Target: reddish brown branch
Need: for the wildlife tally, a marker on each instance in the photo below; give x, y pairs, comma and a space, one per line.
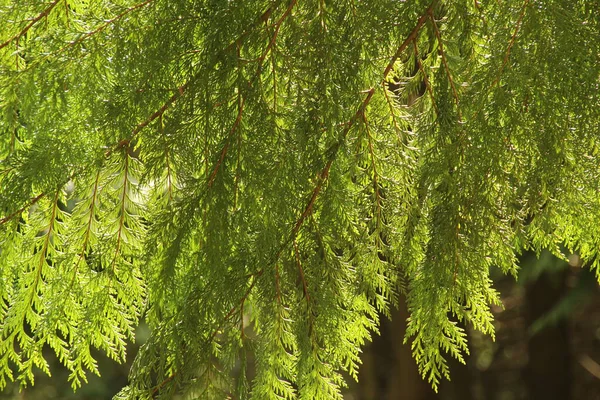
41, 15
264, 17
163, 383
511, 43
321, 178
323, 175
20, 210
506, 55
411, 36
301, 272
180, 91
276, 32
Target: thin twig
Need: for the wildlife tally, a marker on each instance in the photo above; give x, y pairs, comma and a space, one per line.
323, 175
167, 162
180, 91
88, 228
391, 107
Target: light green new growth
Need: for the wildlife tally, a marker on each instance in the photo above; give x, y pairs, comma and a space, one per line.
297, 163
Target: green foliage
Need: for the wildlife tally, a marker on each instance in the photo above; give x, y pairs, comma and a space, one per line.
199, 163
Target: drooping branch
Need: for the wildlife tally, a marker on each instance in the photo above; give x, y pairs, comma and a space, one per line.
511, 43
445, 62
425, 78
88, 228
378, 199
167, 163
301, 273
412, 37
237, 122
226, 318
43, 252
122, 210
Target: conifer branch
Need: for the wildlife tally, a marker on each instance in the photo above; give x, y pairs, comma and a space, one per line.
37, 198
322, 178
237, 122
122, 210
511, 43
88, 34
182, 89
295, 65
20, 210
277, 285
276, 32
411, 36
264, 17
506, 58
324, 174
236, 178
445, 62
43, 251
391, 107
159, 113
425, 78
88, 228
41, 15
375, 174
226, 318
301, 272
167, 162
105, 25
12, 326
66, 3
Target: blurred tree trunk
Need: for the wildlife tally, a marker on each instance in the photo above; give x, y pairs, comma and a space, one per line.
548, 373
389, 372
460, 385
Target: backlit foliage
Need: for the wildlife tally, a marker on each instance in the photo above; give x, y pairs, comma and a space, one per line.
260, 179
